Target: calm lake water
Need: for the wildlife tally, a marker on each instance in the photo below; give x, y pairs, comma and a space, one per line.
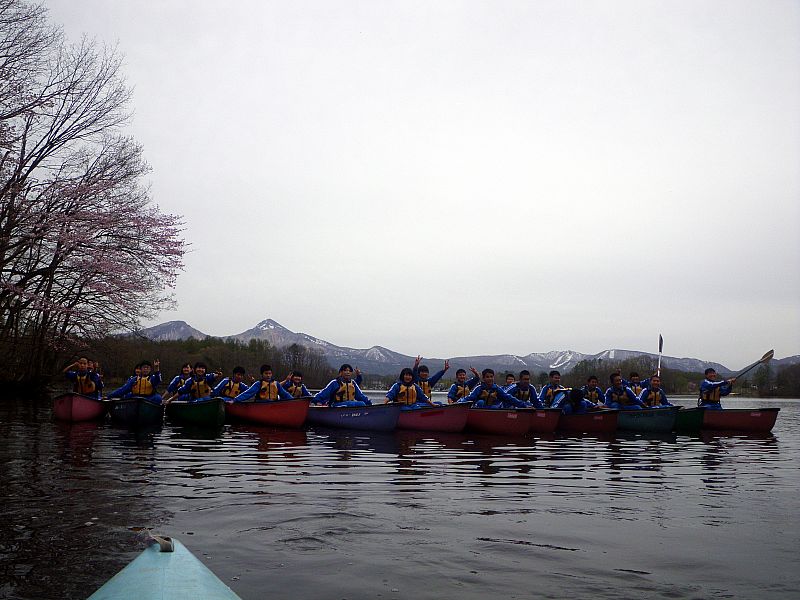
332, 514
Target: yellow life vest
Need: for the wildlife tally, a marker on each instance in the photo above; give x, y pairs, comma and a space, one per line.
268, 391
232, 389
524, 395
711, 396
551, 391
407, 394
462, 391
200, 389
636, 388
426, 387
295, 390
346, 392
488, 396
620, 397
595, 395
653, 398
142, 387
84, 385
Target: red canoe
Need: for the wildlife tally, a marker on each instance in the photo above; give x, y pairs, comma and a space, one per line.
451, 418
601, 421
741, 419
545, 420
500, 421
284, 413
75, 407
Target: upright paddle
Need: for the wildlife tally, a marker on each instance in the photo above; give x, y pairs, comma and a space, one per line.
763, 359
660, 348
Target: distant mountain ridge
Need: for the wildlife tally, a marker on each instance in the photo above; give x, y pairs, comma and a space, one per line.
382, 361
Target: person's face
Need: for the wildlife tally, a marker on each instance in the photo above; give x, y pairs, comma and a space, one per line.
346, 374
145, 370
488, 379
83, 364
266, 375
297, 380
712, 376
238, 377
423, 375
408, 378
89, 364
655, 383
593, 383
617, 381
137, 371
555, 379
509, 379
200, 371
635, 379
461, 378
525, 381
186, 369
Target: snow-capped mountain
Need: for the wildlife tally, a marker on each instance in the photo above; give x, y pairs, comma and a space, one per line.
382, 361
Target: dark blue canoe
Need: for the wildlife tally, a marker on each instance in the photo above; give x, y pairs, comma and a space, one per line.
136, 412
380, 417
655, 420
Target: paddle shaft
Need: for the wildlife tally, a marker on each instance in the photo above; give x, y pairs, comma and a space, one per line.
764, 359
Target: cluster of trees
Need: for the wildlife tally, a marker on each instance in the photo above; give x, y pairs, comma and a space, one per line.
118, 355
83, 249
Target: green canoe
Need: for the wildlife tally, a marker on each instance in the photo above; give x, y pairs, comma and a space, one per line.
689, 420
165, 570
653, 420
208, 413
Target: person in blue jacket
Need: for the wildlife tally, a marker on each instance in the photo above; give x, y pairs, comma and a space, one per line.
199, 386
652, 396
230, 387
267, 388
487, 394
462, 387
573, 402
510, 380
592, 391
635, 383
523, 390
179, 380
294, 385
342, 391
408, 393
549, 391
143, 385
711, 390
620, 396
84, 381
423, 378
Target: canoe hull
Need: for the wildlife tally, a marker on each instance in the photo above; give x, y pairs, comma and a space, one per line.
76, 407
155, 575
499, 421
205, 413
451, 418
657, 420
381, 417
601, 421
689, 420
281, 413
760, 420
136, 412
545, 420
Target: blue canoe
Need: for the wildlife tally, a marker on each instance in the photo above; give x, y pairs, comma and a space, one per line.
158, 574
136, 411
381, 417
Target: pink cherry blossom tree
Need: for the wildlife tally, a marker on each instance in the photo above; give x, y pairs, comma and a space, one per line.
84, 251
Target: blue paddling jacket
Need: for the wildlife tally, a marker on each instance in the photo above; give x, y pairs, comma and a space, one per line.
650, 397
339, 390
527, 394
138, 385
548, 393
427, 384
177, 382
711, 391
458, 391
86, 383
493, 396
228, 388
594, 395
407, 394
264, 390
621, 397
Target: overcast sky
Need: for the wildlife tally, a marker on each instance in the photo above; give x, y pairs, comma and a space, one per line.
456, 178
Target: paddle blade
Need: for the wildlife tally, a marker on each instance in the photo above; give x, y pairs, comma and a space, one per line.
660, 343
767, 356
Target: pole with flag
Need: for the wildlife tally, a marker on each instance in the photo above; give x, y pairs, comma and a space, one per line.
660, 348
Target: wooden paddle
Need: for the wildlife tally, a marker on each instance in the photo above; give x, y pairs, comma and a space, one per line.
764, 359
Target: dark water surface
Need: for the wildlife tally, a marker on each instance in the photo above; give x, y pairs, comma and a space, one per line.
333, 514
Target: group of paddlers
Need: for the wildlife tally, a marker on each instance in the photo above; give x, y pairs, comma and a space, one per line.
413, 389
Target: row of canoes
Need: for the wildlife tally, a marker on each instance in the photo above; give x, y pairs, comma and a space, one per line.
136, 412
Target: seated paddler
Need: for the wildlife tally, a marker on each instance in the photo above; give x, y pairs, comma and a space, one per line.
635, 382
408, 393
712, 389
524, 390
463, 386
266, 389
620, 396
230, 387
573, 402
487, 394
423, 377
549, 390
342, 391
84, 380
142, 385
179, 380
653, 395
199, 386
593, 392
295, 386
